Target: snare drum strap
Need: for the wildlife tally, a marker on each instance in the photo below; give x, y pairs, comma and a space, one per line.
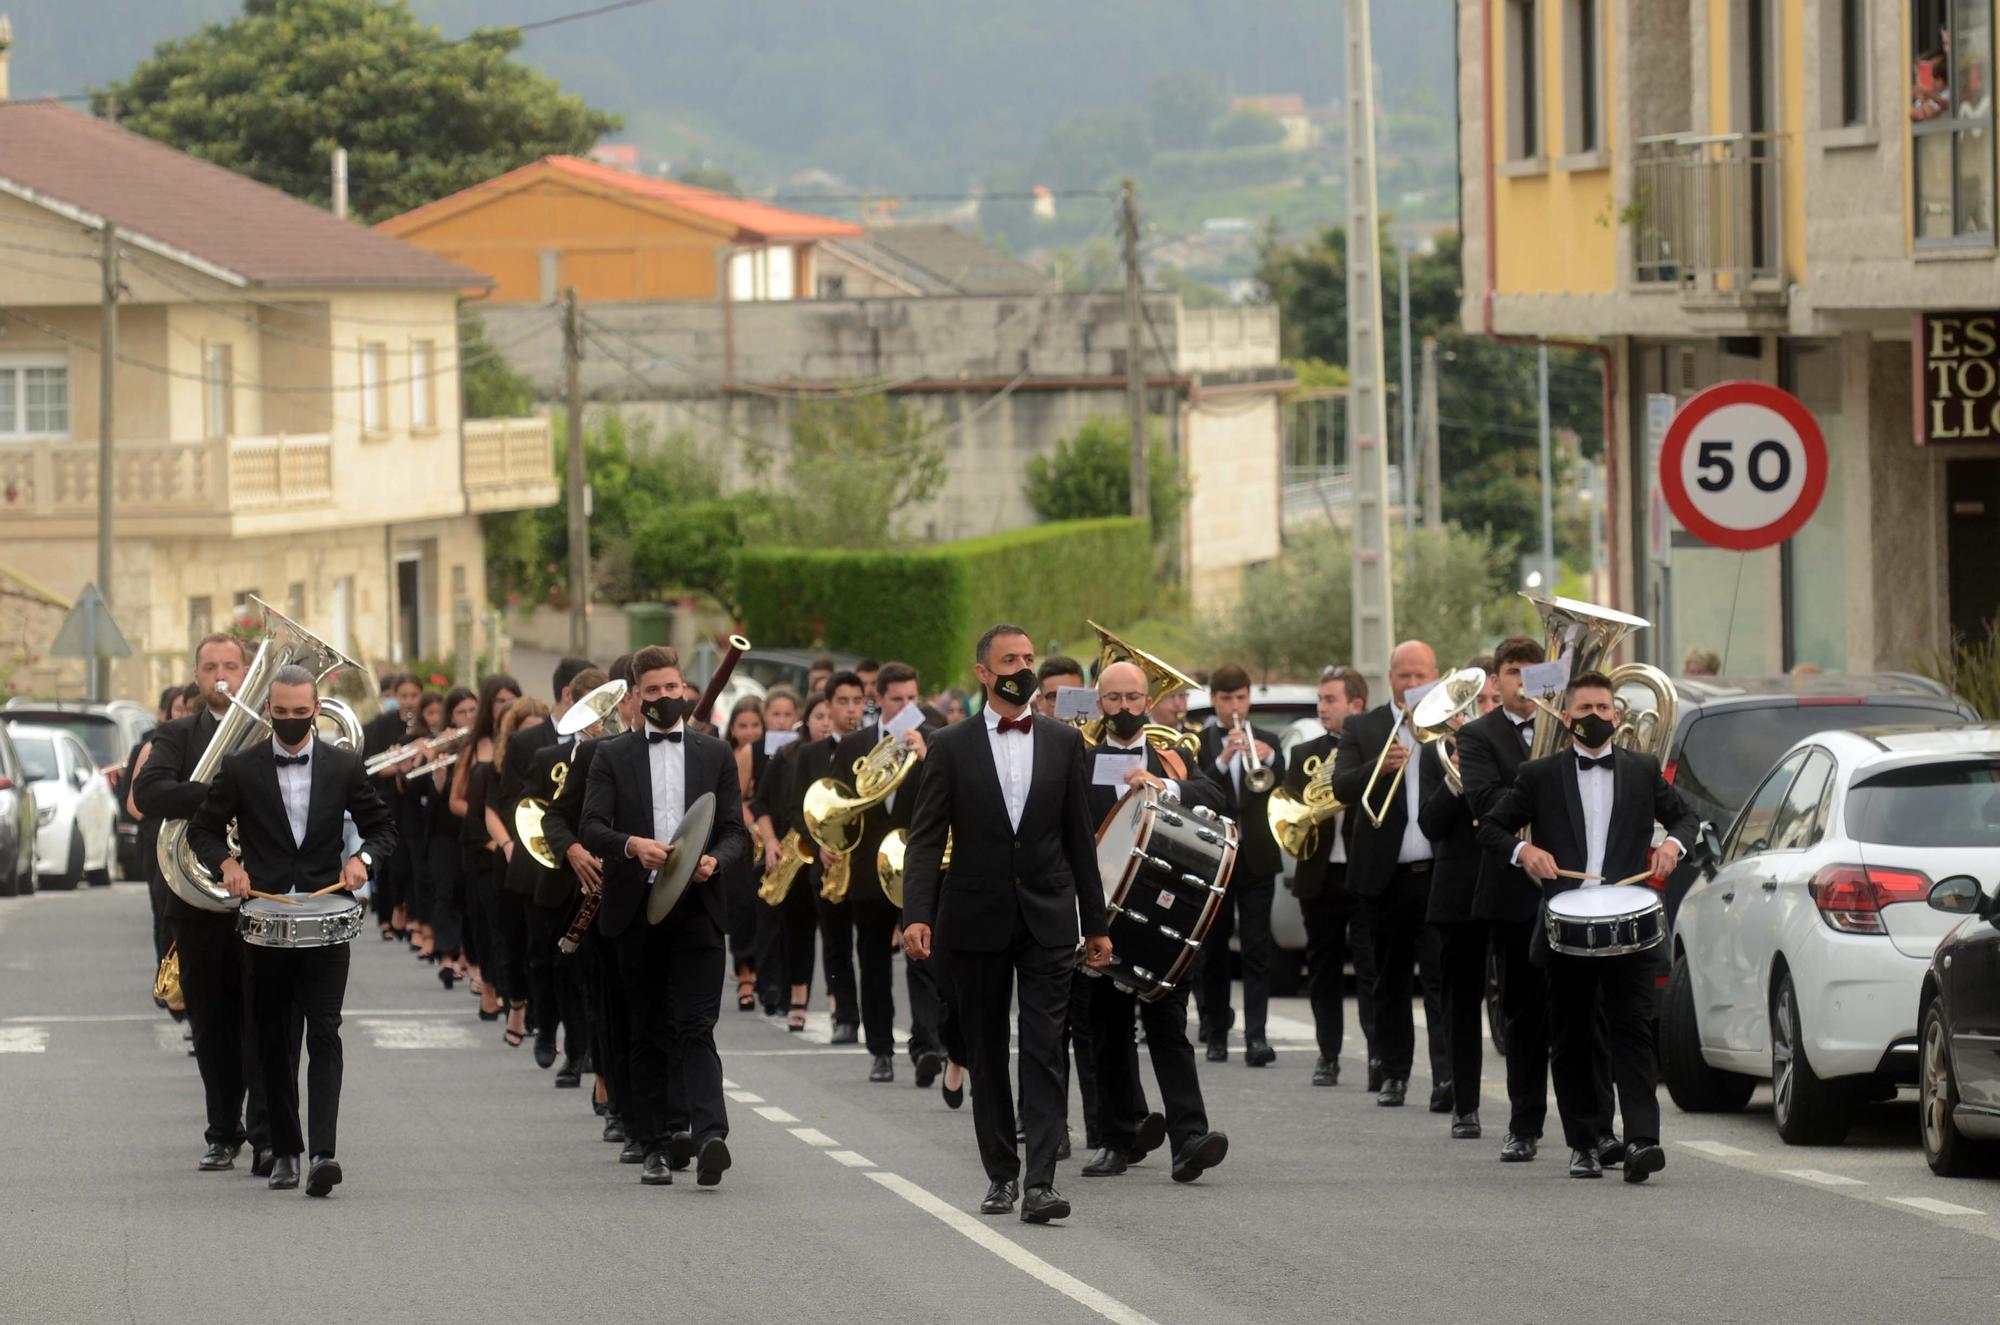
1170, 760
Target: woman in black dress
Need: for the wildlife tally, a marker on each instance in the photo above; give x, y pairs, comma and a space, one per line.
472, 779
746, 739
444, 869
517, 887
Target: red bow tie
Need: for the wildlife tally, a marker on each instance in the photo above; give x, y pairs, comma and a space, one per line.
1020, 724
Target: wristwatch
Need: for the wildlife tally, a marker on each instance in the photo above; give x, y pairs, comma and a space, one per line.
367, 861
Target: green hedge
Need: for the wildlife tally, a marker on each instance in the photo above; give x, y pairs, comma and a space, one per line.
927, 606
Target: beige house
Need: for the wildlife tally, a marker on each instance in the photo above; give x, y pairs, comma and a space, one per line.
285, 414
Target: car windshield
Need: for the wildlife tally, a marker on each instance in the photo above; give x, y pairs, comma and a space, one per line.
1726, 752
38, 757
100, 735
1932, 805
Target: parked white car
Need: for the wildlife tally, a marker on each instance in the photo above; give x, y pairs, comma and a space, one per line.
1799, 954
76, 812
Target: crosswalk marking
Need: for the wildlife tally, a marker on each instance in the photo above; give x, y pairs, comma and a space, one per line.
24, 1039
414, 1033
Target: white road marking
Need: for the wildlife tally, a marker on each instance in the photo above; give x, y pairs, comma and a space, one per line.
415, 1034
1717, 1150
771, 1113
1823, 1178
744, 1096
24, 1039
1012, 1252
850, 1159
727, 1084
1288, 1028
1935, 1207
79, 1019
167, 1035
812, 1136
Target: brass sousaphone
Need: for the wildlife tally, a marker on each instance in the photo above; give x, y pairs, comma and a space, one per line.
1587, 635
1162, 679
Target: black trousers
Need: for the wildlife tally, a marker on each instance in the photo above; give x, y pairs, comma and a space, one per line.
1245, 913
673, 995
1080, 1048
836, 932
511, 915
1336, 924
926, 1009
1112, 1011
874, 923
1395, 929
161, 898
441, 883
1602, 1008
215, 967
983, 989
560, 983
611, 1027
1524, 1019
482, 890
798, 933
290, 985
1462, 980
951, 1030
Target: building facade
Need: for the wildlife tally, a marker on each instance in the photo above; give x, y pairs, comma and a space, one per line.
1797, 192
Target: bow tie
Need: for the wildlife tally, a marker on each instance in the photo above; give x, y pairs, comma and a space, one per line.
1585, 762
1020, 724
656, 737
292, 761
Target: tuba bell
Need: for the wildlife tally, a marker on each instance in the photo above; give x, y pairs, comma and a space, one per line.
1162, 679
1587, 635
833, 809
889, 862
1296, 820
285, 643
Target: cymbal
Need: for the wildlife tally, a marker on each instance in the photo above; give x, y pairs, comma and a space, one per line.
671, 880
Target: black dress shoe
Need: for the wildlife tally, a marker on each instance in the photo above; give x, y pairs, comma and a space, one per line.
1257, 1051
219, 1157
954, 1096
1393, 1091
284, 1173
1374, 1075
711, 1163
569, 1076
1465, 1127
680, 1151
323, 1176
1152, 1134
929, 1063
634, 1152
1326, 1072
1218, 1049
1063, 1146
1106, 1163
1583, 1164
1518, 1149
545, 1055
883, 1070
1441, 1097
1000, 1199
1610, 1151
1199, 1155
1642, 1160
845, 1032
1041, 1204
614, 1128
656, 1173
260, 1162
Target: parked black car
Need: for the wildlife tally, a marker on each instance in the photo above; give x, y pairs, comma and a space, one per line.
1958, 1071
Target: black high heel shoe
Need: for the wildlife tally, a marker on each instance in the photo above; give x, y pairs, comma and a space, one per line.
796, 1023
446, 975
953, 1098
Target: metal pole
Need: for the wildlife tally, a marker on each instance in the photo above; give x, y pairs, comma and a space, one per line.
1367, 418
1135, 354
1427, 433
578, 481
340, 182
107, 396
1403, 400
1548, 484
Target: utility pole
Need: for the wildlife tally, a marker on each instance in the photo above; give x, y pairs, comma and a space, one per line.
1135, 354
578, 481
340, 182
1410, 466
107, 399
1548, 483
1367, 420
1427, 435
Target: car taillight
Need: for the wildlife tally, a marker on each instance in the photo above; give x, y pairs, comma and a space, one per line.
1673, 767
1850, 898
6, 784
1830, 701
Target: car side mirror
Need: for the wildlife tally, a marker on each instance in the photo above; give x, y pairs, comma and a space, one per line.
1959, 895
1707, 846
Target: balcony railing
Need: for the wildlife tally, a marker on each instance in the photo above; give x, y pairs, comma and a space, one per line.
1708, 216
152, 479
508, 464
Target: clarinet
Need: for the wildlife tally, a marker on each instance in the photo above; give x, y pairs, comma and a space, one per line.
586, 913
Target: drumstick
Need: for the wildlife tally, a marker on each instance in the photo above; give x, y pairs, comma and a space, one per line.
274, 897
330, 888
1578, 874
1640, 877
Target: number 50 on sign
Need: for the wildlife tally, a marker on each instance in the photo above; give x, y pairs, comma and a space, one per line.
1743, 465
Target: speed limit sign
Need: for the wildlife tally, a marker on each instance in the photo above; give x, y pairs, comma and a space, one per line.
1743, 465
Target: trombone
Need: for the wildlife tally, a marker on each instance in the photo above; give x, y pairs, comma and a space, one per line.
1431, 719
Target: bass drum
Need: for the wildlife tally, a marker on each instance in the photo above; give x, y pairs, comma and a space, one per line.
1167, 868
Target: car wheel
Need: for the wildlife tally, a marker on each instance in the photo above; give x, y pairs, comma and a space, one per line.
72, 873
1947, 1150
1808, 1110
1691, 1082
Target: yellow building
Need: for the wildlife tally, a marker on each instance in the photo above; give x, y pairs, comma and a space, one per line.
286, 408
1770, 190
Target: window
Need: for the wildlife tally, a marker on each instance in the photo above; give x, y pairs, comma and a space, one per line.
1951, 119
1753, 830
1523, 81
218, 374
34, 396
201, 619
1799, 821
1941, 804
374, 386
423, 386
760, 274
1853, 62
1583, 77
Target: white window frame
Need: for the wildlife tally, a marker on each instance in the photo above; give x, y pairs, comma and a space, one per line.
763, 275
423, 386
15, 428
374, 386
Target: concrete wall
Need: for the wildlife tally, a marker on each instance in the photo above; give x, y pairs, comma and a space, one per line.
1232, 460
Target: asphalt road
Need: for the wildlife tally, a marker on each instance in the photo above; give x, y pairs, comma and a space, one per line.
475, 1191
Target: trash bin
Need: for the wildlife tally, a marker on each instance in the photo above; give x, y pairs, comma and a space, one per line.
648, 623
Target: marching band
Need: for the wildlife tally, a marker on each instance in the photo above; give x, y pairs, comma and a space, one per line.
1070, 854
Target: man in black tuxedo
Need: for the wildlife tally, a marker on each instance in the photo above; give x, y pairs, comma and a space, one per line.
214, 963
1010, 793
289, 798
401, 698
1246, 909
639, 788
1332, 914
1591, 810
849, 699
1389, 868
611, 1025
1122, 696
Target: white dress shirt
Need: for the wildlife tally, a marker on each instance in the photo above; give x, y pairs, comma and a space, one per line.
1415, 845
1014, 761
295, 786
668, 761
1137, 745
1593, 787
1524, 731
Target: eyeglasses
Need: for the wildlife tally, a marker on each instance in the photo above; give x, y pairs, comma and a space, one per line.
1130, 697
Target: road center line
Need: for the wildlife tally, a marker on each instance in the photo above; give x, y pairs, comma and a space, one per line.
1717, 1150
812, 1136
745, 1096
850, 1159
1823, 1178
1930, 1205
771, 1113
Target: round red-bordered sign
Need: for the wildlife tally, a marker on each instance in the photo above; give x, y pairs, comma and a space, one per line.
1743, 465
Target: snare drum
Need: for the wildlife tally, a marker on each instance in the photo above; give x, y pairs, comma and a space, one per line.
1167, 869
315, 922
1605, 922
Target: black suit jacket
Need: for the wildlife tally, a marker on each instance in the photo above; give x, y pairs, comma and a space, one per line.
555, 888
1045, 873
1447, 821
618, 806
162, 790
246, 790
1258, 853
864, 877
1490, 752
1372, 851
522, 747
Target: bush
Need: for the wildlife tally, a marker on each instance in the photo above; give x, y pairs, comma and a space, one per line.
1970, 669
1089, 476
927, 606
1247, 126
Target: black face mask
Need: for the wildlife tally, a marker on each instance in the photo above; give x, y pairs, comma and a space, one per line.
1127, 725
1593, 730
666, 713
1016, 687
291, 731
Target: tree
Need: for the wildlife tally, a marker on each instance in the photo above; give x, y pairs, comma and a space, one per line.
855, 464
272, 93
1089, 475
1092, 148
1181, 106
489, 386
710, 177
1247, 126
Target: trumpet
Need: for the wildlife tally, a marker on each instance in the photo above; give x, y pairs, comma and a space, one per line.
1296, 820
396, 754
1431, 719
1258, 777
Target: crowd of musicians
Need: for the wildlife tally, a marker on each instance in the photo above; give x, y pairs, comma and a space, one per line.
517, 846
